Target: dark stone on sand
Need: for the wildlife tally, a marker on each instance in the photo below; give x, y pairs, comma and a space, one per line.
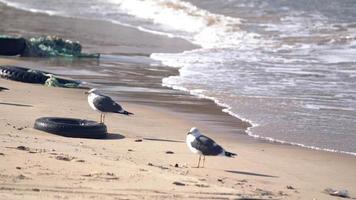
176, 165
138, 140
18, 168
289, 187
36, 190
2, 154
150, 164
23, 148
64, 158
169, 152
178, 183
202, 185
21, 177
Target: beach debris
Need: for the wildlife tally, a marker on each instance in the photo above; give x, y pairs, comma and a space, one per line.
338, 193
176, 165
18, 168
281, 193
36, 190
52, 46
129, 150
28, 75
22, 177
22, 148
2, 154
159, 166
178, 183
43, 46
64, 158
53, 81
80, 161
106, 176
11, 45
289, 187
138, 140
264, 192
169, 152
21, 128
202, 185
110, 174
221, 180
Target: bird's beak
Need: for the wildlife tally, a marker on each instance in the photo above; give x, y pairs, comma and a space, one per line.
189, 133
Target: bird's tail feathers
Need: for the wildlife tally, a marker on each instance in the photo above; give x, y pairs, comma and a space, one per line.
229, 154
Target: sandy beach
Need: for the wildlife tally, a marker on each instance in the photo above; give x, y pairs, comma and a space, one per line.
145, 155
122, 168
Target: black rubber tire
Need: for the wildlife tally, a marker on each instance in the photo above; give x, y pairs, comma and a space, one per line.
70, 127
21, 74
12, 46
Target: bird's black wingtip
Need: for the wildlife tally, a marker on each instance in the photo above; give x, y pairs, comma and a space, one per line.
127, 113
229, 154
3, 88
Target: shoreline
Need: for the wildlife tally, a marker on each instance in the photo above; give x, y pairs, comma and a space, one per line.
265, 169
266, 166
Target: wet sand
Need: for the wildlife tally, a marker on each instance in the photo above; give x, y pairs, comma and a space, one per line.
119, 168
51, 166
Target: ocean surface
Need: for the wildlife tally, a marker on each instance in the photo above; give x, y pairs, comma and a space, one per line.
287, 67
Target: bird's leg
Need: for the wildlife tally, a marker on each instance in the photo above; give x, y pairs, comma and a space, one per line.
103, 118
199, 161
203, 161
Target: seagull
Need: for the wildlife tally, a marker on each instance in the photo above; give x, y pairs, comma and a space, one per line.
3, 88
104, 104
204, 146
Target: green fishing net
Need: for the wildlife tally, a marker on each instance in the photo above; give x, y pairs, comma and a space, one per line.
52, 81
52, 46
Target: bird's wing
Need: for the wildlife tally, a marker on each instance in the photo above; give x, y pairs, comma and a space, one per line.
207, 146
106, 104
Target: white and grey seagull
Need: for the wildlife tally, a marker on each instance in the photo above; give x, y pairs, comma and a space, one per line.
204, 146
104, 104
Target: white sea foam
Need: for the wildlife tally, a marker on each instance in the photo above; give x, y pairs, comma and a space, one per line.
26, 8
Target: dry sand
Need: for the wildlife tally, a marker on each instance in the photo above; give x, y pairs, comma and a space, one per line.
121, 168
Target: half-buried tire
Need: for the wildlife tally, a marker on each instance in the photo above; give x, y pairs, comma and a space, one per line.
22, 74
70, 127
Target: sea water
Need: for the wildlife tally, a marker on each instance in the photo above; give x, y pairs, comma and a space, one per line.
288, 67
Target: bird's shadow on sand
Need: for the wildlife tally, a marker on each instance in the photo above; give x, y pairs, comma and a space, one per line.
15, 104
114, 136
250, 173
163, 140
